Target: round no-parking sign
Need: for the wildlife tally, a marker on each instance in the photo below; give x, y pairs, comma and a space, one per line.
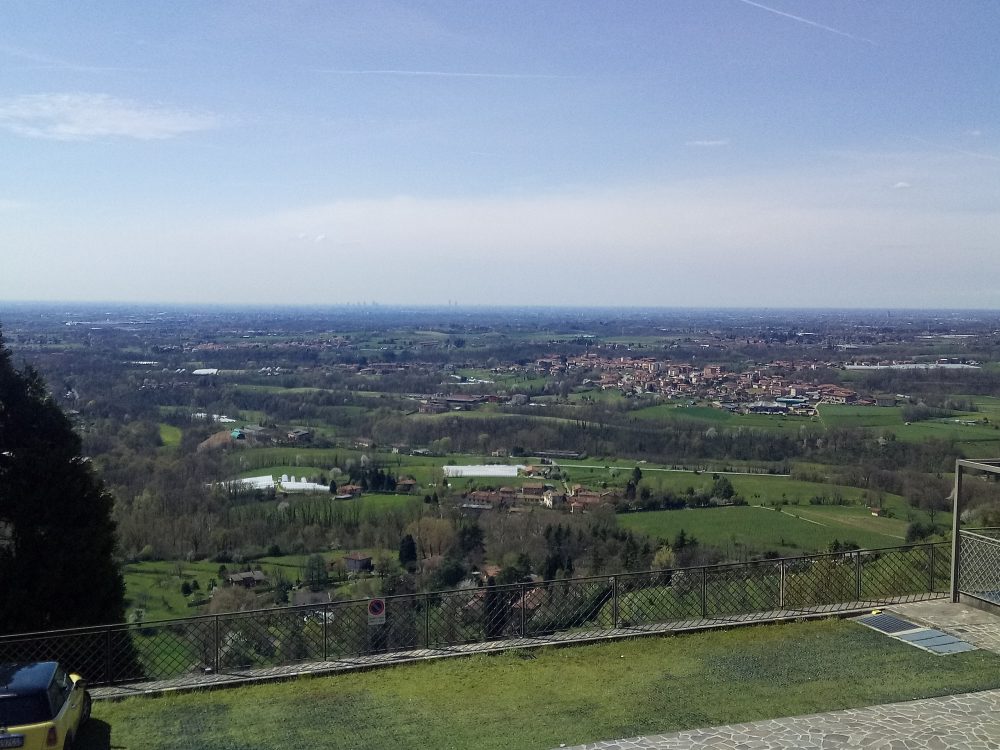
376, 612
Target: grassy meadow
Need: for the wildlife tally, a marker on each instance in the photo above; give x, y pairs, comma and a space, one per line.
561, 696
793, 530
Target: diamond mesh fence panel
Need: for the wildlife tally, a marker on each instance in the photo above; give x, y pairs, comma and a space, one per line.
654, 598
560, 608
737, 591
979, 566
84, 652
823, 581
564, 609
904, 574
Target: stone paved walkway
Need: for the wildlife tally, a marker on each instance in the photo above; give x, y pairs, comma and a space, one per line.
970, 721
974, 625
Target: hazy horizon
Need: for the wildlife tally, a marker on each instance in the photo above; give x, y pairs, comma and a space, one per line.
163, 306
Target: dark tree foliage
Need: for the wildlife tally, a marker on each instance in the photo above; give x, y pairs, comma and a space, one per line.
408, 553
470, 539
448, 575
496, 609
57, 539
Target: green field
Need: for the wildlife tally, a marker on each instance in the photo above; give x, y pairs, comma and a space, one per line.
169, 435
978, 439
755, 488
797, 529
560, 696
974, 439
662, 412
155, 587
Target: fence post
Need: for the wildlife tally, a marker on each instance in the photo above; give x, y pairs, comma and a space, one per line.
781, 584
704, 592
614, 600
956, 535
218, 655
930, 569
107, 646
857, 575
522, 608
427, 620
326, 634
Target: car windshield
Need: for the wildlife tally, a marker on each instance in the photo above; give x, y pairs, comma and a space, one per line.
16, 710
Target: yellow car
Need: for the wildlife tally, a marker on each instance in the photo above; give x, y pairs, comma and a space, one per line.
41, 706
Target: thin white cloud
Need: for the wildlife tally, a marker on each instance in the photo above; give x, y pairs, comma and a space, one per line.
437, 74
85, 117
964, 152
7, 204
708, 143
974, 133
901, 186
39, 61
806, 21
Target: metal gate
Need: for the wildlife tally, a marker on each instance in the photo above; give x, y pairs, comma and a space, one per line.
979, 567
975, 571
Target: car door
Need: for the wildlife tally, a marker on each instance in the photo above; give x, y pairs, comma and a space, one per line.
65, 707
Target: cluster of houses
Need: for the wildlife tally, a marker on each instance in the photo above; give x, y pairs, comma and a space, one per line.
354, 562
576, 500
758, 390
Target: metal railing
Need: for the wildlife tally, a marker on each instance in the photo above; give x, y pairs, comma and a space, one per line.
979, 565
567, 609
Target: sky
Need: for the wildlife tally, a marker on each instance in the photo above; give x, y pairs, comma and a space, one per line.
731, 153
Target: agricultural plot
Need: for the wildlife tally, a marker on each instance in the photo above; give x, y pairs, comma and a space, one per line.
755, 488
873, 417
752, 528
509, 380
854, 517
596, 395
666, 412
975, 439
964, 428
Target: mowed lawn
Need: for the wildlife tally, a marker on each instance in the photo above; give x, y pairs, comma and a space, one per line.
170, 435
553, 696
796, 529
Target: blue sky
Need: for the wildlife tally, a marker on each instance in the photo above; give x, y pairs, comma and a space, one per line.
688, 153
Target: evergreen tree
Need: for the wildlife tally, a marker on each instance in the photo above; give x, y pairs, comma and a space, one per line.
57, 539
316, 575
408, 553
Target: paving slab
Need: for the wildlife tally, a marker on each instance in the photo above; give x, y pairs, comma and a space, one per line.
968, 623
970, 721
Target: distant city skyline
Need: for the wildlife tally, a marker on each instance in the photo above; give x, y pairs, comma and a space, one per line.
729, 153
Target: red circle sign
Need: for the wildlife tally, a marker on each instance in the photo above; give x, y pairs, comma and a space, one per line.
376, 607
